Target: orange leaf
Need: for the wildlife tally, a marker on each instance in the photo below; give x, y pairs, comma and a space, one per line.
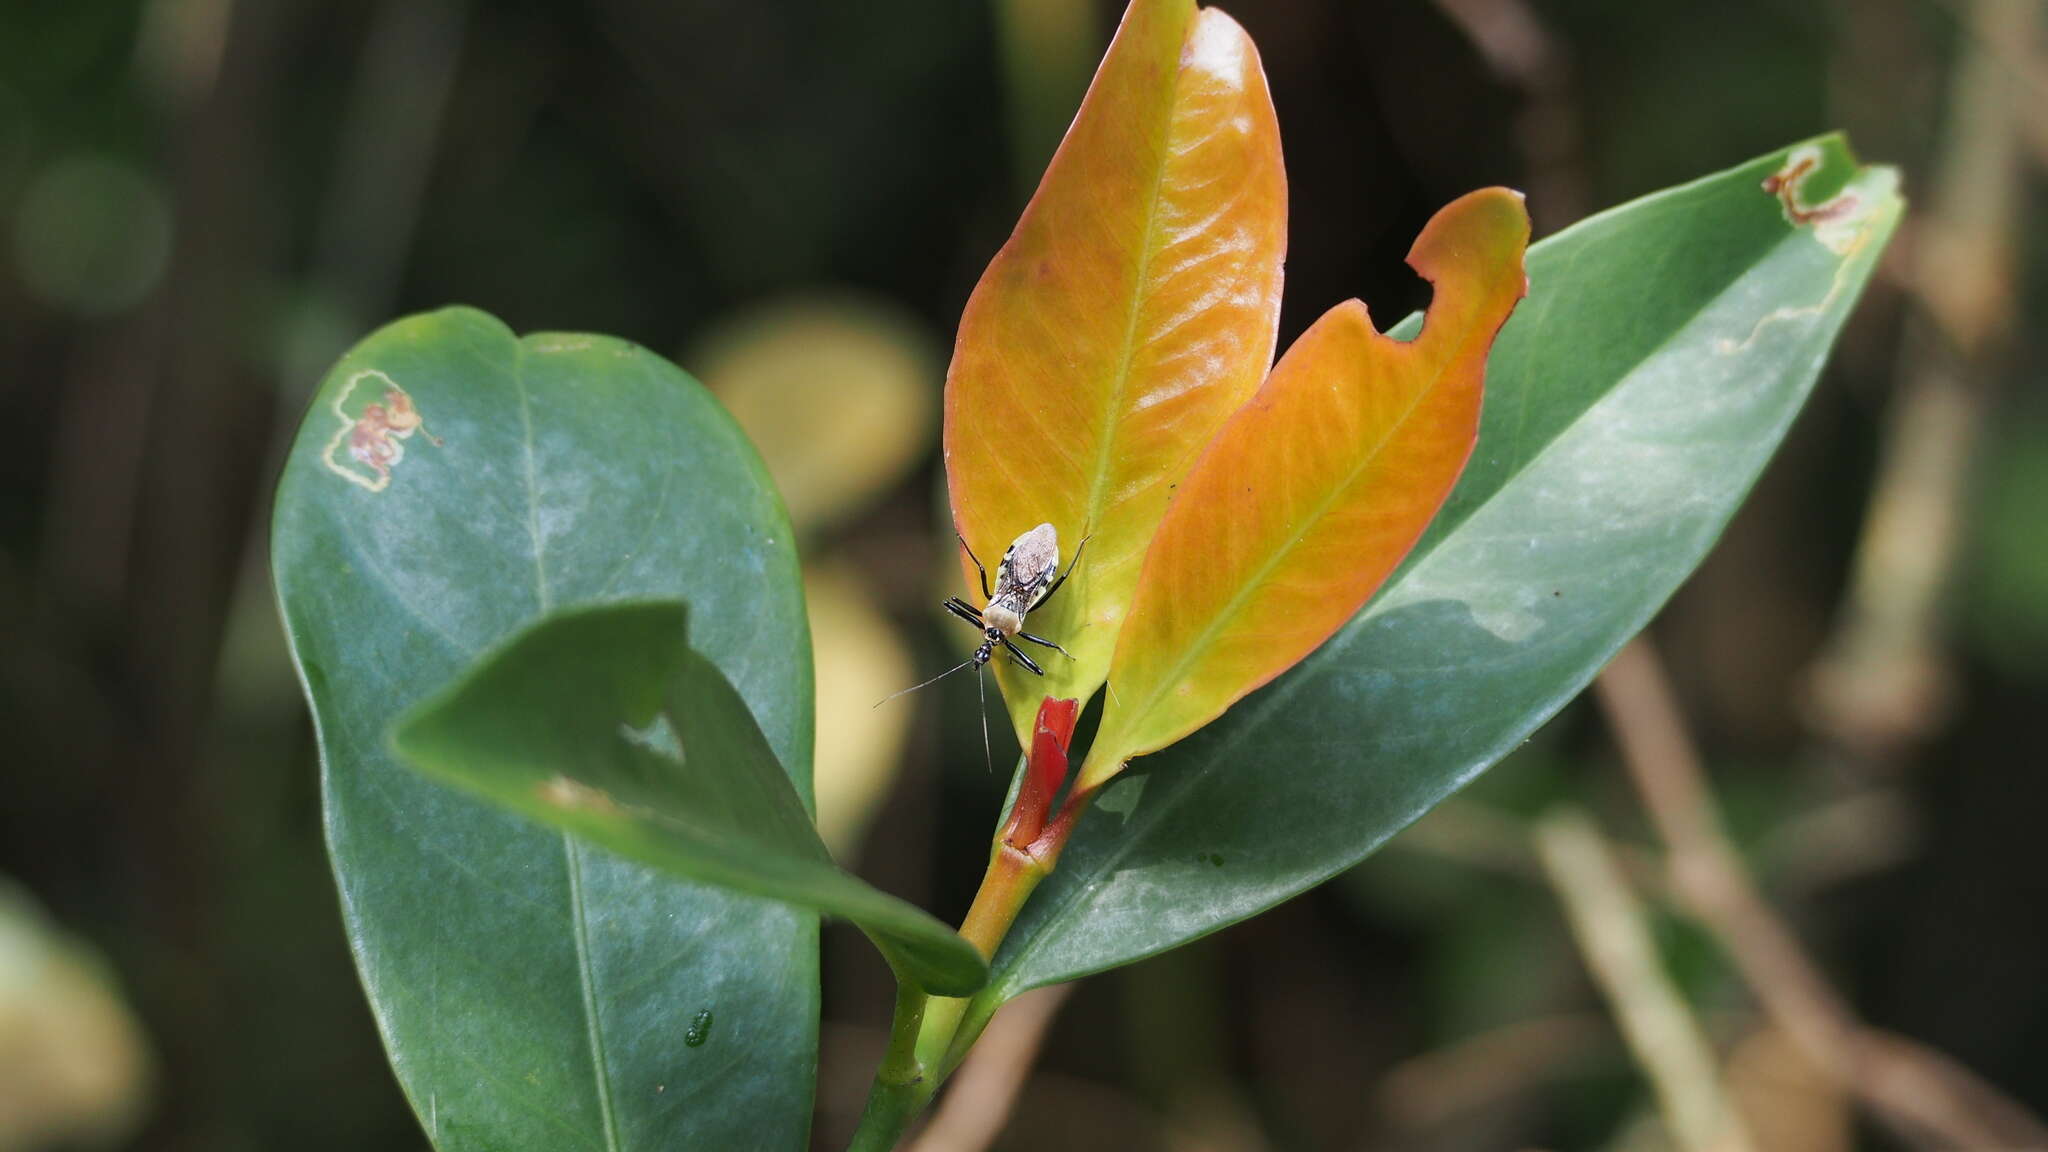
1131, 312
1313, 492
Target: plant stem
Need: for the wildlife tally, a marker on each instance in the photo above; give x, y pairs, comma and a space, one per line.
899, 1063
1014, 872
923, 1029
901, 1087
926, 1038
1012, 875
922, 1032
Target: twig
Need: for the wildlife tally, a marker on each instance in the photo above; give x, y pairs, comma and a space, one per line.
1857, 834
1882, 682
985, 1088
1482, 1071
1922, 1095
1786, 1101
2023, 63
1610, 927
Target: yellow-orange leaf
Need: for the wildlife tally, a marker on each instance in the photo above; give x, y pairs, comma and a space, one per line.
1313, 492
1130, 313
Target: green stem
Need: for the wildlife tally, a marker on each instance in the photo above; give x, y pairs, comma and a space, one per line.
970, 1017
901, 1088
929, 1037
899, 1063
1014, 871
940, 1025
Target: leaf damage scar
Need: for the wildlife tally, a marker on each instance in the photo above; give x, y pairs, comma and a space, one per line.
1841, 224
375, 437
1831, 218
559, 791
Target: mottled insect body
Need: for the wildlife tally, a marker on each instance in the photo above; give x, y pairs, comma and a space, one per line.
1024, 579
1027, 576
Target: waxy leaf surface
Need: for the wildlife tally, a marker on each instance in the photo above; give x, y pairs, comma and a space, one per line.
1631, 401
559, 726
533, 992
1130, 313
1313, 491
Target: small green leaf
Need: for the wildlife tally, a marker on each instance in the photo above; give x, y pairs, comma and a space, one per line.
560, 725
1663, 350
533, 993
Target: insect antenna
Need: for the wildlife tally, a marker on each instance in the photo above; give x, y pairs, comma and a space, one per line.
981, 691
926, 684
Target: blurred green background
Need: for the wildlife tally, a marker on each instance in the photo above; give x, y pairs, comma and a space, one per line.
202, 202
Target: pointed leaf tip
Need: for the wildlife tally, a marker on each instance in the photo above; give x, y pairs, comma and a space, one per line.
1135, 306
558, 725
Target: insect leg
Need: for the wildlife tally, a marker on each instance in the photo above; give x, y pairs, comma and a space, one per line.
985, 593
964, 611
1069, 572
1017, 654
1042, 642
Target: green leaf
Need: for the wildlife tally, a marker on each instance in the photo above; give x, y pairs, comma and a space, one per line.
1631, 401
532, 992
560, 726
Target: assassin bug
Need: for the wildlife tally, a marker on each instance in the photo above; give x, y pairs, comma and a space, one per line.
1026, 577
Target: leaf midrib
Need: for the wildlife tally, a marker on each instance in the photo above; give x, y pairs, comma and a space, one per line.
540, 574
1148, 251
573, 861
586, 975
1238, 599
1142, 822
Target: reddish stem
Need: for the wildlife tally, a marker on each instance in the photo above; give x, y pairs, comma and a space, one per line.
1045, 848
1043, 773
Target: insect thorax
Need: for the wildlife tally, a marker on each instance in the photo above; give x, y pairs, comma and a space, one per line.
1003, 616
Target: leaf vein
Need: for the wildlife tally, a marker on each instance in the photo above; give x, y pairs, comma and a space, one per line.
1148, 249
540, 572
600, 1066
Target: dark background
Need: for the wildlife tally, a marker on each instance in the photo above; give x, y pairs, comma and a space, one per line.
203, 201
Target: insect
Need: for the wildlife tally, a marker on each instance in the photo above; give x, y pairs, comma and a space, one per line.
1026, 577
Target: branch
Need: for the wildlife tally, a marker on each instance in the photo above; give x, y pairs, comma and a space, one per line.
985, 1089
1924, 1096
1882, 682
1485, 1071
1609, 925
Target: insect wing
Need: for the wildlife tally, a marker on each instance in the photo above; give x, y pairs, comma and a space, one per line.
1028, 567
